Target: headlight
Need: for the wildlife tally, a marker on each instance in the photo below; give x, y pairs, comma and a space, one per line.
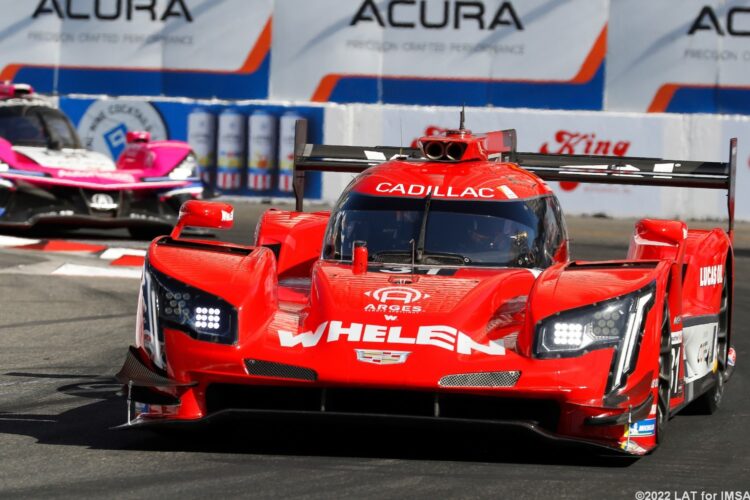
201, 315
615, 323
186, 169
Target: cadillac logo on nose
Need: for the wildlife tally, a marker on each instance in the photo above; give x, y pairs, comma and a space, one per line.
101, 201
381, 357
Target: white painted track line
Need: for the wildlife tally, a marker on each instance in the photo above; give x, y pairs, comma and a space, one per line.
12, 241
97, 272
116, 253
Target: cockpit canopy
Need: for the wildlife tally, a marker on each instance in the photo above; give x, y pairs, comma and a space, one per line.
40, 126
515, 233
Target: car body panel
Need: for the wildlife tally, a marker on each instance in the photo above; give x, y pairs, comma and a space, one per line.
318, 334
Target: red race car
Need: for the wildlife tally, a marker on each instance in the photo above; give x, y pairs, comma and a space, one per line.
440, 289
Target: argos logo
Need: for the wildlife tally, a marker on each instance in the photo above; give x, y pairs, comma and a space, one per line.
404, 298
397, 294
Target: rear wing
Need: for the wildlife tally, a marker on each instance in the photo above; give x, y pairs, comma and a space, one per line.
324, 158
637, 171
501, 146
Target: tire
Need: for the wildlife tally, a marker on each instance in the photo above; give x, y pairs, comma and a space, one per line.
147, 233
665, 375
709, 402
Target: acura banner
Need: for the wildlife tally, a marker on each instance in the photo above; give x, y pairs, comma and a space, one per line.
636, 55
688, 56
196, 48
535, 53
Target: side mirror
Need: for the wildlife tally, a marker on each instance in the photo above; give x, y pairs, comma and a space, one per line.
197, 213
136, 136
359, 257
671, 232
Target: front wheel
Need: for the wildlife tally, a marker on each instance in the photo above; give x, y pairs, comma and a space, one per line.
665, 375
709, 402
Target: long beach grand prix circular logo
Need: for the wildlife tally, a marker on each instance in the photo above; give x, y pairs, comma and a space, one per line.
105, 123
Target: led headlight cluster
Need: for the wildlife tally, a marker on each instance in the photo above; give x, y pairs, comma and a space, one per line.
615, 323
200, 314
208, 317
186, 169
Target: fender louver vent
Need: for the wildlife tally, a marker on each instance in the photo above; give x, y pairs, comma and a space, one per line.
481, 379
279, 370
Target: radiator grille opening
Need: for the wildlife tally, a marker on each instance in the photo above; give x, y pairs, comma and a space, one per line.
382, 402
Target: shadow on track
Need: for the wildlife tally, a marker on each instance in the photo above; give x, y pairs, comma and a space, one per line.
91, 425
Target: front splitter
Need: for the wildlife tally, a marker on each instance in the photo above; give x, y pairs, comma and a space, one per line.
224, 417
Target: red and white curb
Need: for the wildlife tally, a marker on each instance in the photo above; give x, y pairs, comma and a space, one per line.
117, 262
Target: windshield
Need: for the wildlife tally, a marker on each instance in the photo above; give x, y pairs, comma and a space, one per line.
524, 233
37, 126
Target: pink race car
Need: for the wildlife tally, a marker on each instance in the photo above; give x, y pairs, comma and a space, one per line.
46, 176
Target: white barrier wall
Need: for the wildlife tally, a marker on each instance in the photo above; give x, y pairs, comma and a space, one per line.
695, 137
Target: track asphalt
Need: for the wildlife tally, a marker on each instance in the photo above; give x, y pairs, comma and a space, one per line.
63, 338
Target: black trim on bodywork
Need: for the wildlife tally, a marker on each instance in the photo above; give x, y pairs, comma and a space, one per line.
30, 204
688, 321
626, 264
632, 415
134, 372
167, 283
637, 348
263, 368
275, 248
151, 396
599, 304
197, 245
222, 417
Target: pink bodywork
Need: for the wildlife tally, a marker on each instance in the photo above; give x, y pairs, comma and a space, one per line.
140, 159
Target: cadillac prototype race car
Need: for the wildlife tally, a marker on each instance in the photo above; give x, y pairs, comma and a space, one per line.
46, 176
440, 289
